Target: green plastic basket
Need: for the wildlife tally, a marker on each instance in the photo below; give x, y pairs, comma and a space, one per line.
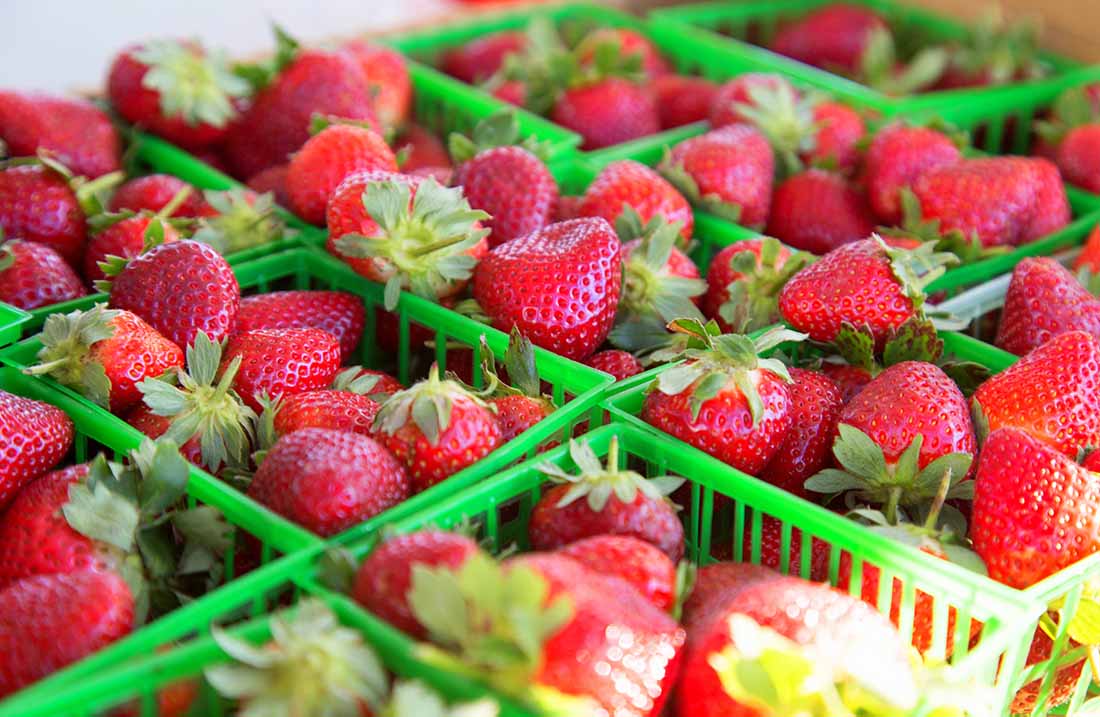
625, 407
11, 323
500, 508
712, 27
576, 388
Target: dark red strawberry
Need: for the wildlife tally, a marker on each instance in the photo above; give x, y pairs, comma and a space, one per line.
682, 99
607, 112
38, 204
336, 312
74, 131
897, 156
387, 76
1044, 300
834, 37
736, 95
421, 149
849, 379
282, 362
1076, 157
34, 275
649, 194
327, 481
620, 364
818, 211
153, 192
638, 562
836, 142
744, 281
625, 43
479, 59
272, 179
36, 436
560, 285
513, 186
125, 239
815, 406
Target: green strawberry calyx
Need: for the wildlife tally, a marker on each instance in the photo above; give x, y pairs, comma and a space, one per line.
1072, 108
427, 404
204, 404
415, 699
196, 86
522, 368
879, 65
422, 242
500, 129
67, 341
312, 665
596, 483
753, 302
786, 119
966, 249
243, 221
713, 360
357, 380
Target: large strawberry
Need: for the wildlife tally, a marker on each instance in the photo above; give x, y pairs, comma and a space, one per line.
38, 203
43, 435
818, 211
744, 281
336, 312
835, 36
627, 182
599, 501
387, 74
1044, 300
724, 399
897, 155
559, 285
281, 362
1048, 393
815, 407
74, 131
34, 275
104, 353
327, 481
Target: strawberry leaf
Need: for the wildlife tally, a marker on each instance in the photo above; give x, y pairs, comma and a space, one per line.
95, 511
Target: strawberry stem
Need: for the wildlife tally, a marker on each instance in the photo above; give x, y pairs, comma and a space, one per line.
173, 204
613, 456
938, 501
892, 505
436, 246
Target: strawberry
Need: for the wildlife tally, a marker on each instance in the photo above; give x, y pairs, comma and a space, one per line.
239, 220
388, 78
1076, 157
327, 480
736, 95
383, 580
1061, 689
897, 156
103, 354
34, 275
124, 237
518, 399
1044, 300
436, 428
615, 502
744, 281
421, 149
176, 89
638, 562
281, 362
715, 586
723, 399
607, 112
180, 288
50, 621
326, 159
867, 284
41, 435
839, 132
153, 192
835, 37
153, 426
326, 408
818, 211
634, 184
272, 179
370, 381
477, 60
620, 364
1089, 258
815, 407
849, 379
624, 42
682, 99
38, 204
74, 131
1047, 393
728, 172
407, 232
559, 286
336, 312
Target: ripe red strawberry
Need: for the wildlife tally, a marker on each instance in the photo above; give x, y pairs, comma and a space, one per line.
282, 362
1089, 258
326, 160
385, 577
517, 396
513, 186
605, 501
74, 131
1048, 393
436, 428
626, 43
1061, 689
125, 238
744, 281
638, 562
1044, 300
868, 284
849, 379
421, 149
723, 399
818, 211
37, 204
370, 381
727, 171
336, 312
607, 112
682, 99
41, 434
897, 156
836, 142
514, 92
153, 192
34, 275
153, 426
477, 60
388, 77
327, 481
716, 585
834, 37
815, 406
620, 364
559, 286
334, 410
649, 194
180, 288
103, 354
732, 97
176, 89
431, 248
50, 621
272, 179
1076, 157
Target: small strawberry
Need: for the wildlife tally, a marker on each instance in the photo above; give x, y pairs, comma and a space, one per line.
634, 184
436, 428
518, 400
818, 211
607, 112
836, 37
623, 42
682, 99
1061, 689
273, 180
387, 76
839, 132
479, 59
1044, 300
121, 236
744, 281
514, 92
420, 149
737, 94
281, 362
239, 220
33, 275
77, 133
154, 192
43, 434
620, 364
103, 354
638, 562
327, 481
724, 399
728, 172
605, 501
336, 312
1076, 157
897, 156
815, 407
327, 159
38, 203
560, 285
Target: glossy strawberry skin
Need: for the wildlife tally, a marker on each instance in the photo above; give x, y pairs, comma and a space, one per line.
849, 379
652, 520
815, 406
721, 274
724, 110
1077, 157
638, 562
336, 312
135, 352
336, 410
620, 364
76, 132
50, 621
387, 75
559, 285
633, 183
724, 427
282, 362
326, 159
153, 192
384, 578
36, 204
734, 164
608, 112
512, 185
1043, 301
818, 211
125, 239
35, 437
833, 37
682, 99
515, 414
836, 144
897, 155
327, 481
38, 276
476, 61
